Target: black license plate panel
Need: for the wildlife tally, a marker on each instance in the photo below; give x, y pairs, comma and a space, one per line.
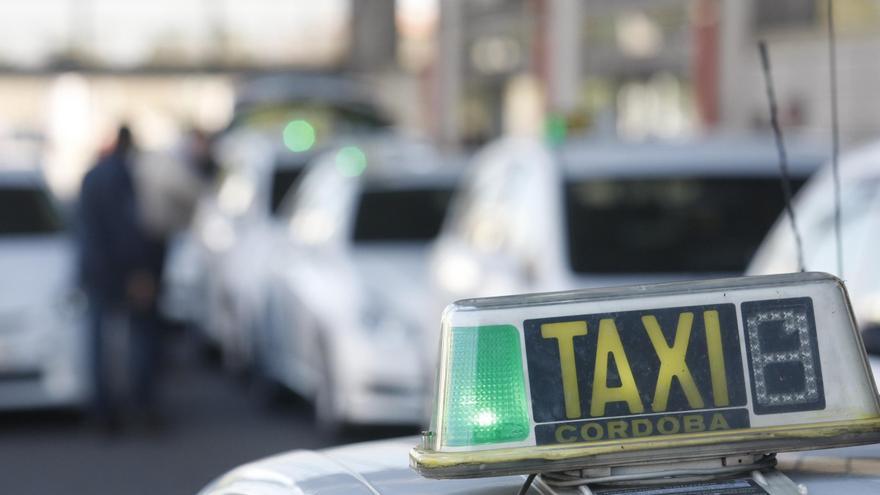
659, 364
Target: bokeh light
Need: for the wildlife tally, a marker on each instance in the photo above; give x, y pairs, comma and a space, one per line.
299, 136
556, 129
351, 161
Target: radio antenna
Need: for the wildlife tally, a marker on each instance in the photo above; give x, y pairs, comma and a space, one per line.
785, 177
835, 137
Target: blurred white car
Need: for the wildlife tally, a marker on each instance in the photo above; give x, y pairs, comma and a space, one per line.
43, 345
599, 213
860, 232
279, 123
596, 213
229, 236
348, 294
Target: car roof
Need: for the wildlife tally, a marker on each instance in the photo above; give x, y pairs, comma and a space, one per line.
20, 151
385, 149
317, 86
326, 88
860, 163
381, 467
21, 177
723, 155
396, 160
370, 468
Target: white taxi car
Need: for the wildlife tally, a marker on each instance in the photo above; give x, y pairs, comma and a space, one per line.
43, 345
860, 231
279, 123
347, 290
596, 213
232, 229
722, 387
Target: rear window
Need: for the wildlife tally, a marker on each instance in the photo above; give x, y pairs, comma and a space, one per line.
282, 181
669, 225
411, 215
27, 211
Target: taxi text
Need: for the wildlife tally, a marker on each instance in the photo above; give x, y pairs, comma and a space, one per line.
673, 365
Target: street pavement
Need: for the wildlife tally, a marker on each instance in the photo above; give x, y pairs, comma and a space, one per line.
213, 422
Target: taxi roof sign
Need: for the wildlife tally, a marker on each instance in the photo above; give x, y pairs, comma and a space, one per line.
666, 372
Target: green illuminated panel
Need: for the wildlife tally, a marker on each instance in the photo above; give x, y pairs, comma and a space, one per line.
486, 395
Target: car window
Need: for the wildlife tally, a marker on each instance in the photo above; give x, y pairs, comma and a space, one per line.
493, 196
27, 211
401, 215
666, 225
282, 181
318, 209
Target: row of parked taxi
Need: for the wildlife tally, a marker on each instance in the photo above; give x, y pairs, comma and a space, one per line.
326, 271
43, 344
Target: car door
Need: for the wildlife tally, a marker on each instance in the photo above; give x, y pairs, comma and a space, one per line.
305, 260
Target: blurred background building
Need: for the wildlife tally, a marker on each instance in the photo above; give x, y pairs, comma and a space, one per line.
653, 68
461, 72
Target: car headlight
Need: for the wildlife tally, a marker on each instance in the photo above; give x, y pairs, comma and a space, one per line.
458, 274
218, 234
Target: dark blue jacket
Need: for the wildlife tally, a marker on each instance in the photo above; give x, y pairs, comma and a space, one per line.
112, 241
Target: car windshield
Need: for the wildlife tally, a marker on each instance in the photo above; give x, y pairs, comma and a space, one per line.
27, 211
282, 180
687, 225
411, 215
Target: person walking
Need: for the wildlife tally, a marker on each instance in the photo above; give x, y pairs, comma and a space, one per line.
120, 263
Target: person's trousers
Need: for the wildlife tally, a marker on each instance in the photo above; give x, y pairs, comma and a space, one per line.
142, 359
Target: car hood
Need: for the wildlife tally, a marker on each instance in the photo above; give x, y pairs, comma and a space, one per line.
395, 274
